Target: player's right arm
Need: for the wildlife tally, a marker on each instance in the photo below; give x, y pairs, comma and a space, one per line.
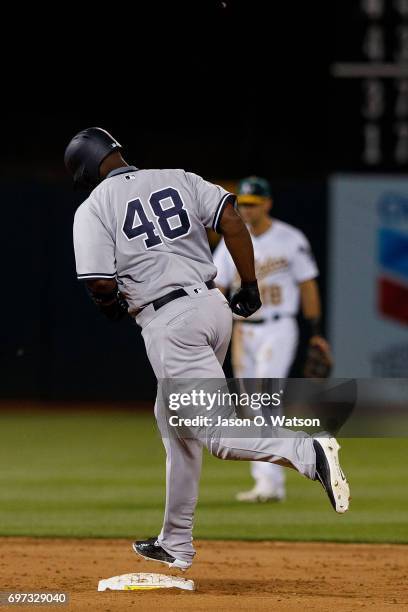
95, 261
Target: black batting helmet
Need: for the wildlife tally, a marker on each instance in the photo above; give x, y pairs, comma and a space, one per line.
86, 152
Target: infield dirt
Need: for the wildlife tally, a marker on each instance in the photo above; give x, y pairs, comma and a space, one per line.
229, 575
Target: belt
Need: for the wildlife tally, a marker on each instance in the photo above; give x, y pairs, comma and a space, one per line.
274, 317
174, 295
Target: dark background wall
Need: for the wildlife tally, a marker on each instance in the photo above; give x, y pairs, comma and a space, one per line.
224, 92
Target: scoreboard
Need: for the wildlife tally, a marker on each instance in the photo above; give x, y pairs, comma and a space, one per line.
368, 117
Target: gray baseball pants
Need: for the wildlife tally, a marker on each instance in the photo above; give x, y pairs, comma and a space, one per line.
189, 338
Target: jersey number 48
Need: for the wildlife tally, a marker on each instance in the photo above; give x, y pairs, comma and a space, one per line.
172, 221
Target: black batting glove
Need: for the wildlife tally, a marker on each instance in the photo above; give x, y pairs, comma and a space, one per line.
246, 300
113, 305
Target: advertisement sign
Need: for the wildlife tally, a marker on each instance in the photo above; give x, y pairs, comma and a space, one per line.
368, 275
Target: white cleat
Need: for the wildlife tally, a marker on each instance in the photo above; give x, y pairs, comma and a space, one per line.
261, 495
330, 474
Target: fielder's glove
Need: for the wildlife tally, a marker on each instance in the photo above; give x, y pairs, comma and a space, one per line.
319, 362
246, 300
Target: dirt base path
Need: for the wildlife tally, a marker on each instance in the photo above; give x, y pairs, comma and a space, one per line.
229, 576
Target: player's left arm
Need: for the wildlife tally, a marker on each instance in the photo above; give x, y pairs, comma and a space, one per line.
312, 312
216, 209
319, 360
225, 268
305, 271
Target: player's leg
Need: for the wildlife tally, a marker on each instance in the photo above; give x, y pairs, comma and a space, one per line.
183, 342
244, 346
269, 483
276, 343
316, 458
243, 350
293, 448
247, 341
183, 470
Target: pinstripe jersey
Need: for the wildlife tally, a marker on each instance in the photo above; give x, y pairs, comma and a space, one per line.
146, 228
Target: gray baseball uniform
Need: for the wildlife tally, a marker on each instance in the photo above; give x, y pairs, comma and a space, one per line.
146, 228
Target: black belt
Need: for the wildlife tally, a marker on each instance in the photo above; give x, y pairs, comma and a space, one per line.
274, 317
174, 295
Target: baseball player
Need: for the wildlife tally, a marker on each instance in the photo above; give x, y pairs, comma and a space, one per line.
141, 248
264, 344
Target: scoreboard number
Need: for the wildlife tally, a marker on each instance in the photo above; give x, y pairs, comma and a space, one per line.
371, 73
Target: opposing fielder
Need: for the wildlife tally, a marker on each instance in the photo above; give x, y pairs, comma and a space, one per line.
141, 247
264, 344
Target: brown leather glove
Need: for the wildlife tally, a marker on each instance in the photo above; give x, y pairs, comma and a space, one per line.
319, 360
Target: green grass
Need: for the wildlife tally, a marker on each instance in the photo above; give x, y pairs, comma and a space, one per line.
102, 475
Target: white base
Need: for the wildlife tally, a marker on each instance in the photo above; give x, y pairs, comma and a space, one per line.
144, 582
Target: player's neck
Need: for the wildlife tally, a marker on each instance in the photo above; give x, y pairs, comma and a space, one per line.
261, 227
112, 162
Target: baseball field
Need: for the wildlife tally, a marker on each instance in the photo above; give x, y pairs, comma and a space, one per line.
78, 485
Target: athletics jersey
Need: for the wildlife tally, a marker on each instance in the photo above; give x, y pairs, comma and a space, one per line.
283, 259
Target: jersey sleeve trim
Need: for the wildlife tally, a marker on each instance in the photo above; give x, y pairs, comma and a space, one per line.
95, 275
228, 197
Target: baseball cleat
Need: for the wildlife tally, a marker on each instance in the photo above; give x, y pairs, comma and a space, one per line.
259, 495
152, 551
330, 474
